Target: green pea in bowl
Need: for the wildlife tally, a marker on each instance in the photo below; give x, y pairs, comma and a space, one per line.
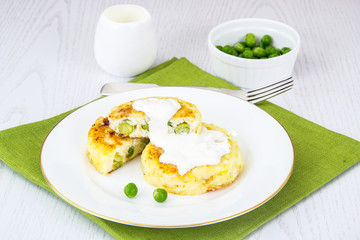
244, 69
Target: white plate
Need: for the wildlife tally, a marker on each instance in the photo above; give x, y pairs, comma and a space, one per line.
266, 148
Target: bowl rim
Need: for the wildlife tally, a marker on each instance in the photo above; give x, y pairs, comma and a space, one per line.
147, 16
230, 58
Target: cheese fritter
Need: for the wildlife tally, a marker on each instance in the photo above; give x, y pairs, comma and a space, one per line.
107, 150
127, 121
199, 179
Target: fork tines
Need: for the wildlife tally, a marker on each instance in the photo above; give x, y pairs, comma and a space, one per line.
263, 93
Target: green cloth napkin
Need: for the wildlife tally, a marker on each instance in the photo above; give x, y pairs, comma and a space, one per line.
320, 155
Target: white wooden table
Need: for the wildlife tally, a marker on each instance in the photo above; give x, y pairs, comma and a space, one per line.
47, 67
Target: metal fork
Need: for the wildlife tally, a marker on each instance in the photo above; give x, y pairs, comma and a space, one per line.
252, 95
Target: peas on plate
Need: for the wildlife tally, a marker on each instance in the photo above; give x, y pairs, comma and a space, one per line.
131, 190
254, 48
160, 195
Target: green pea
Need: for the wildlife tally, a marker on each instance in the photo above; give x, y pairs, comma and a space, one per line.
268, 49
259, 52
248, 54
250, 40
228, 49
145, 126
118, 161
160, 195
266, 40
274, 51
252, 49
130, 190
130, 151
234, 52
239, 47
285, 50
125, 128
273, 55
182, 128
146, 140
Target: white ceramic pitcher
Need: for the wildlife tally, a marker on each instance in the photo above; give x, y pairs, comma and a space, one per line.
125, 43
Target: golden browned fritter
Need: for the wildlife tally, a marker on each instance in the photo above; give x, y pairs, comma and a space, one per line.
127, 121
199, 179
107, 150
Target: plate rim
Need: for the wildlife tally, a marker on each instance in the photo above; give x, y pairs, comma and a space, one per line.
161, 225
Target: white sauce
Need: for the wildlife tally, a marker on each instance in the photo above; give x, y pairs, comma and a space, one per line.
186, 151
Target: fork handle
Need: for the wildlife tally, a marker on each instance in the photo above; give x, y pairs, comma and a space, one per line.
119, 87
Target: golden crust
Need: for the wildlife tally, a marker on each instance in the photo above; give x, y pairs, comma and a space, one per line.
199, 179
104, 138
125, 110
103, 144
188, 113
187, 110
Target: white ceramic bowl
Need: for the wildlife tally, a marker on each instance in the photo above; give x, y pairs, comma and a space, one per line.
252, 73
